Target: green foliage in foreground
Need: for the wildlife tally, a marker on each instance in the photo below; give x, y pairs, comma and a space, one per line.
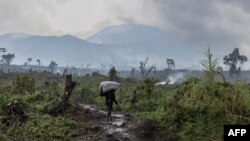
195, 110
199, 109
38, 126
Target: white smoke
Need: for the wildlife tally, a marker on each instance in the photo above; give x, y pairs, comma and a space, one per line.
175, 78
161, 83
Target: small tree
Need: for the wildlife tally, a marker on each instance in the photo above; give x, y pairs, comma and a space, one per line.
144, 70
210, 66
38, 62
52, 66
8, 58
113, 74
2, 50
29, 60
234, 60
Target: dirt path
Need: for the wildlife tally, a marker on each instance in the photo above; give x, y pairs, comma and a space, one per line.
121, 127
116, 129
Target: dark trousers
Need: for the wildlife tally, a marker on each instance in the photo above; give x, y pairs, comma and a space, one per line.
110, 98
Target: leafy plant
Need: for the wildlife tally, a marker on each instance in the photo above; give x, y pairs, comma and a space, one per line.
23, 84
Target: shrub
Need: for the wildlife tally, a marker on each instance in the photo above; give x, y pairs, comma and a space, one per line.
23, 84
199, 109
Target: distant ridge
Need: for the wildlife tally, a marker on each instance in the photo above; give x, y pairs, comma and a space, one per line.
128, 33
122, 45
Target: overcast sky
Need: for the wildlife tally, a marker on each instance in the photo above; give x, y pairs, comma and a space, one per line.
220, 24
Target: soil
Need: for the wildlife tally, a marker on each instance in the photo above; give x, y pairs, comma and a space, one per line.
120, 128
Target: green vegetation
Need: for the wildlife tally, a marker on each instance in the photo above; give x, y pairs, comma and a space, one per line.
113, 74
34, 97
195, 110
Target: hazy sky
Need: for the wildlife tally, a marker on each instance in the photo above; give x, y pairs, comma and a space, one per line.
220, 24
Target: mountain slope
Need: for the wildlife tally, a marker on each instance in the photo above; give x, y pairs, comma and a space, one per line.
129, 33
123, 46
141, 41
65, 49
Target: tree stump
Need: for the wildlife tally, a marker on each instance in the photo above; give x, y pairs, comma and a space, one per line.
14, 114
60, 107
12, 108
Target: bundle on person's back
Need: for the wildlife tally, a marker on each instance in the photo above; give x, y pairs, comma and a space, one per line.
106, 86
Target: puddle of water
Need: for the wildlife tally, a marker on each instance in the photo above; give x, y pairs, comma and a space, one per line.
115, 126
119, 122
114, 130
118, 115
89, 107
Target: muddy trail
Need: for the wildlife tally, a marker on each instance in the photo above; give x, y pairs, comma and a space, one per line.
121, 127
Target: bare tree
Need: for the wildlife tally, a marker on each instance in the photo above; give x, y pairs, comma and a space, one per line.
3, 50
59, 108
170, 63
143, 68
65, 71
133, 72
154, 69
